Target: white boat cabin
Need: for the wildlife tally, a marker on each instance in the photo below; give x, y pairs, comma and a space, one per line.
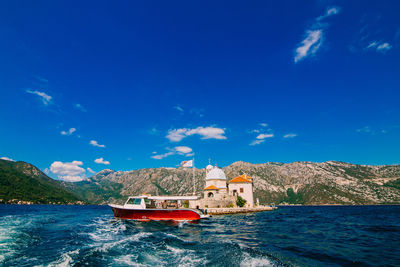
154, 202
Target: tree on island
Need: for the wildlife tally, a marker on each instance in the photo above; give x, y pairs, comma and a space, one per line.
240, 202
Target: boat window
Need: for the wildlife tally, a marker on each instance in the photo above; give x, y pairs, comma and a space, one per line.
134, 201
150, 203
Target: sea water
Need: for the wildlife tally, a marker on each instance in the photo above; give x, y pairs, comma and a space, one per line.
51, 235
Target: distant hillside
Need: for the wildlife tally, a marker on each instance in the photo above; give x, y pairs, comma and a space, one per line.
20, 181
294, 183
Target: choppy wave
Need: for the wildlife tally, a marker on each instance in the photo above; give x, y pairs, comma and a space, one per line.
295, 236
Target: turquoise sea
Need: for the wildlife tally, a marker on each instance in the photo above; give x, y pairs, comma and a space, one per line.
46, 235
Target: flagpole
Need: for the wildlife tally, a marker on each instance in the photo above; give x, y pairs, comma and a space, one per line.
194, 185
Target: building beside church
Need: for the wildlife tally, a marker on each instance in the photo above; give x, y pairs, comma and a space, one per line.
221, 193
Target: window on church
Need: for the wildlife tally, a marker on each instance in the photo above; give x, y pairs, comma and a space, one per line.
210, 194
241, 190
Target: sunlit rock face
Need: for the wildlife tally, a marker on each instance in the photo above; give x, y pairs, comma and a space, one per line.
329, 182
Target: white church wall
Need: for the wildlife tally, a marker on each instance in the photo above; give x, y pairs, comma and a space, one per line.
245, 190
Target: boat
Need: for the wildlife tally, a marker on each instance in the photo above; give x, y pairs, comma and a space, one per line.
157, 208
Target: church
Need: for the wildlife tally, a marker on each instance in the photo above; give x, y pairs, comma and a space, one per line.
221, 193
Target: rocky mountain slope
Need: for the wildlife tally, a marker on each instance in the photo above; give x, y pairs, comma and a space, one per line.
21, 182
295, 183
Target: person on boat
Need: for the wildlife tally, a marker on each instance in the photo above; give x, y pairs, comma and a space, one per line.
164, 204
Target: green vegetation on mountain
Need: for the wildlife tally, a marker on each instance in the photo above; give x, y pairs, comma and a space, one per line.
394, 184
307, 183
96, 192
20, 181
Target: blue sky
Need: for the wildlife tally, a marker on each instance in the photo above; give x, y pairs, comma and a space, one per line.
128, 85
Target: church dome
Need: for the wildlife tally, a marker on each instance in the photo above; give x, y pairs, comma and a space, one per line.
209, 167
216, 174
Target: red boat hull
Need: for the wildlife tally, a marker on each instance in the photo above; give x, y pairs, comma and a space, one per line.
156, 214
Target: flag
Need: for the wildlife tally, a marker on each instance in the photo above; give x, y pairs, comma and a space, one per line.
187, 164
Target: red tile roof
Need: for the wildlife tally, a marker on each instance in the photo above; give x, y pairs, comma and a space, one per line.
211, 187
241, 179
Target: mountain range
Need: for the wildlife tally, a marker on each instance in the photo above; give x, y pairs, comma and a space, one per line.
309, 183
21, 182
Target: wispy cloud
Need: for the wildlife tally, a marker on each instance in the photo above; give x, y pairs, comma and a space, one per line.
6, 158
68, 171
45, 98
329, 12
261, 139
371, 131
183, 149
161, 156
314, 36
176, 135
80, 107
178, 108
256, 142
90, 170
290, 135
365, 129
180, 150
264, 136
310, 45
263, 124
69, 132
101, 161
95, 143
379, 46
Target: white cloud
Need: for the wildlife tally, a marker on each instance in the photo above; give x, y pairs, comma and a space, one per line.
43, 96
314, 36
383, 47
372, 44
90, 170
71, 178
68, 171
69, 132
102, 161
257, 142
261, 139
176, 135
379, 46
161, 156
80, 107
208, 132
329, 12
95, 143
310, 45
183, 149
290, 135
264, 136
5, 158
263, 124
180, 150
